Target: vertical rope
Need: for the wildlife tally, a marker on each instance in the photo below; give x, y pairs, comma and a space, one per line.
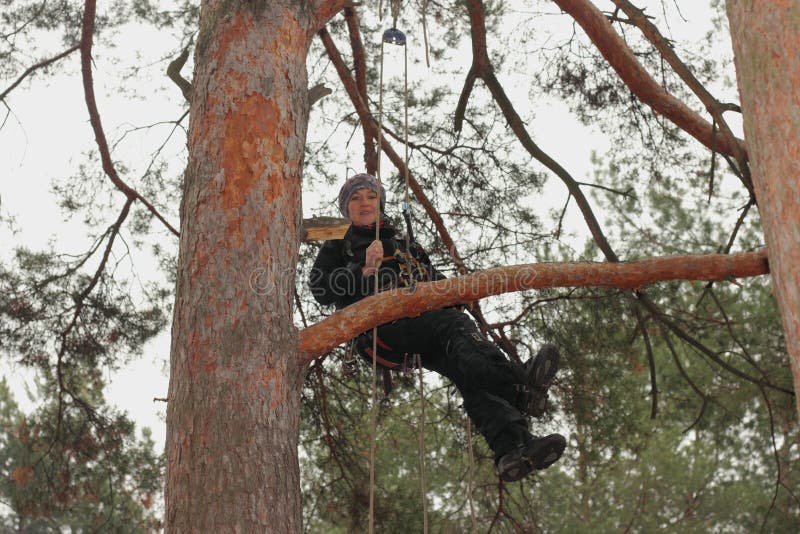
374, 411
418, 361
425, 32
471, 470
406, 204
421, 440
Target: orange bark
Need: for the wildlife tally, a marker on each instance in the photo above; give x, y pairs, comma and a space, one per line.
234, 393
766, 45
345, 324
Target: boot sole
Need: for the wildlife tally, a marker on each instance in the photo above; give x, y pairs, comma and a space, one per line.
538, 454
544, 370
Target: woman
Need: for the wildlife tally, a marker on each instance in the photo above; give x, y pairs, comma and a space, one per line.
497, 393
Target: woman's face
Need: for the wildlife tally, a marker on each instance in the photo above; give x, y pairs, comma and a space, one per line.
363, 207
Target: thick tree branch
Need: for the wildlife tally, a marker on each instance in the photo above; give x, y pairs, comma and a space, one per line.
33, 68
638, 80
87, 35
712, 105
388, 306
360, 67
324, 10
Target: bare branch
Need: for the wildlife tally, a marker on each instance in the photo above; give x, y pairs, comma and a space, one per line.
87, 34
174, 73
360, 65
711, 104
700, 347
317, 92
651, 361
485, 71
461, 108
33, 68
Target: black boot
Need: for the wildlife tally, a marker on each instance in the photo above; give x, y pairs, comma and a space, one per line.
539, 374
534, 453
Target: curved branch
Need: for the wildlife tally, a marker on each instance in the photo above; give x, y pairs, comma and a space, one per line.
651, 360
624, 62
518, 127
711, 104
484, 70
390, 305
174, 73
698, 345
461, 108
33, 68
87, 34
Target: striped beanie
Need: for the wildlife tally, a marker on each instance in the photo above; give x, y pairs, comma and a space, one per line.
353, 184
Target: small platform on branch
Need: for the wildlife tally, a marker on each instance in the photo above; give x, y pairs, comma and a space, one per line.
324, 228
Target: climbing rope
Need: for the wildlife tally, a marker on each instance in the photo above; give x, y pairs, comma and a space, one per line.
373, 403
395, 36
471, 473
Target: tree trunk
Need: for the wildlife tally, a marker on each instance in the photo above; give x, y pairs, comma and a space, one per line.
234, 392
766, 46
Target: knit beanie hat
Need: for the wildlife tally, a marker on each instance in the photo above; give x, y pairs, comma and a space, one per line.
353, 184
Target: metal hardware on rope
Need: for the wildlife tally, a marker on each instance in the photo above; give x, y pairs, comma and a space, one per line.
394, 36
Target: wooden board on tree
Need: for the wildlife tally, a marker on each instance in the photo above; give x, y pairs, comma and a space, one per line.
324, 228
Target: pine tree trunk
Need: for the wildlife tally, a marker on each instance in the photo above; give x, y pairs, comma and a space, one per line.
766, 45
234, 392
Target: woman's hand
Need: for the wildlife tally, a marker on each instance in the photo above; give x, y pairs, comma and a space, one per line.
374, 258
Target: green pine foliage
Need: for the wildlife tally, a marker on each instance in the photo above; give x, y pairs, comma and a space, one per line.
63, 469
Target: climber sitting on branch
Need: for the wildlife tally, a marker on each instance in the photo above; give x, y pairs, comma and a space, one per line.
498, 394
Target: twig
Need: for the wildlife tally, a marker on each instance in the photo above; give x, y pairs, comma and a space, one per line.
37, 66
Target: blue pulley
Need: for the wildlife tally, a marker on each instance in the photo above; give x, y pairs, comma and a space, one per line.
394, 36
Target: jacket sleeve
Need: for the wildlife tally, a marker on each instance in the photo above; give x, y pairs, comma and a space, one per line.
333, 281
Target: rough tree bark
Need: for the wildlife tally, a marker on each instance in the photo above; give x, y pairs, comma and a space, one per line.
234, 393
766, 46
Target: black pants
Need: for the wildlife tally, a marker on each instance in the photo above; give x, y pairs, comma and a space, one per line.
450, 344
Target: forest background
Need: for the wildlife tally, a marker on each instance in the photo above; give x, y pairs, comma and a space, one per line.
679, 415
